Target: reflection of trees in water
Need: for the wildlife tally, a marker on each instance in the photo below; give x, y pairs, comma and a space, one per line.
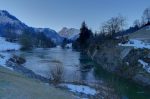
85, 67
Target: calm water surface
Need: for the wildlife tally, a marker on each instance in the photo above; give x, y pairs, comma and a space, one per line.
42, 61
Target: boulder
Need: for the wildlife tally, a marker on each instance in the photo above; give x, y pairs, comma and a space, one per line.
17, 60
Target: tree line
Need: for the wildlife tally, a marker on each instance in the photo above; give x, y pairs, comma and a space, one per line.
28, 40
109, 30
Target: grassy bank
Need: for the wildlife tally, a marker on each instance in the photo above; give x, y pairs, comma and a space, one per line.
17, 86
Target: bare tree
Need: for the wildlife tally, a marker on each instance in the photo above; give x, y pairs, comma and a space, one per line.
114, 25
146, 15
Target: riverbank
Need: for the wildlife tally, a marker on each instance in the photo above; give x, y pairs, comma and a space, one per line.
20, 87
122, 60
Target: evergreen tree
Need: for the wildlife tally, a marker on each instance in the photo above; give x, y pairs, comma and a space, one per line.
64, 43
85, 35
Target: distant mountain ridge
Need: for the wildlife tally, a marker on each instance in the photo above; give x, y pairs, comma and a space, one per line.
69, 33
9, 22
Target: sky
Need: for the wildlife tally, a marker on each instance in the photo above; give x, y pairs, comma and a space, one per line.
56, 14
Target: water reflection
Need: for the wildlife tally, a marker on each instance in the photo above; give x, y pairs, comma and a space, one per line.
78, 67
42, 61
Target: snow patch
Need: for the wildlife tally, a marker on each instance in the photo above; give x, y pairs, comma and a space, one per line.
69, 45
5, 18
4, 45
136, 44
146, 66
80, 89
3, 58
70, 33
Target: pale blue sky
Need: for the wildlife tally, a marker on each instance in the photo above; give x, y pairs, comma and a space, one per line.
56, 14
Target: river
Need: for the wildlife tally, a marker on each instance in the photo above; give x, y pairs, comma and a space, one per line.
42, 61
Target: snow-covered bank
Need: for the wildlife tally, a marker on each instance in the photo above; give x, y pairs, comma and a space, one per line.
136, 44
4, 45
146, 66
69, 45
3, 58
80, 89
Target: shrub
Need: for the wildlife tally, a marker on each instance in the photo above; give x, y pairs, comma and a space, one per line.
57, 73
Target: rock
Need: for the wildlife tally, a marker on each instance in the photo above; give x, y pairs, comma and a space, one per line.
17, 60
1, 56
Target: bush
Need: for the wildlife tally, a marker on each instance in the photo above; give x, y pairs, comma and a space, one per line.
57, 73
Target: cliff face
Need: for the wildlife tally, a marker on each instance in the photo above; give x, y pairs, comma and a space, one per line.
123, 61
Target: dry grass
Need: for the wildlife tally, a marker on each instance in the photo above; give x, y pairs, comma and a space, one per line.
16, 86
57, 73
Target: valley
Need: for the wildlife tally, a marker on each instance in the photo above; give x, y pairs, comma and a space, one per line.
74, 63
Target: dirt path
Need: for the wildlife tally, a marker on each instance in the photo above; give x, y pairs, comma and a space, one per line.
17, 86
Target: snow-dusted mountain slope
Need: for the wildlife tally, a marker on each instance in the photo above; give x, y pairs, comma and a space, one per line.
50, 34
69, 33
9, 23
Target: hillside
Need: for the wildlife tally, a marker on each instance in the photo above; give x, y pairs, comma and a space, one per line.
142, 34
11, 26
21, 87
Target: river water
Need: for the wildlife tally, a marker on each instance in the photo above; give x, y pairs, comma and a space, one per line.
42, 61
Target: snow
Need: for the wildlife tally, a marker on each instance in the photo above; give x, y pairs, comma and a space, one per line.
80, 89
69, 45
4, 55
4, 18
4, 45
58, 46
3, 58
70, 33
136, 44
146, 66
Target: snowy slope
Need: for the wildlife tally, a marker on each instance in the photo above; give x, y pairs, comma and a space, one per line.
4, 45
136, 44
10, 23
69, 33
146, 66
141, 34
139, 39
50, 34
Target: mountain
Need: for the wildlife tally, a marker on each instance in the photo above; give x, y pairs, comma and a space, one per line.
70, 33
9, 23
50, 34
